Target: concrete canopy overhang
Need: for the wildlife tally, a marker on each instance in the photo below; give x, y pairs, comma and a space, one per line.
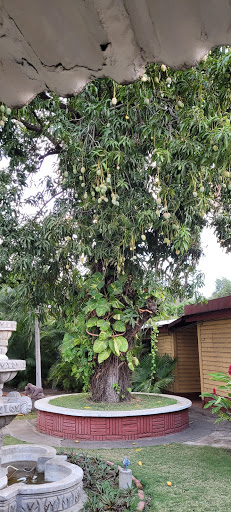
60, 45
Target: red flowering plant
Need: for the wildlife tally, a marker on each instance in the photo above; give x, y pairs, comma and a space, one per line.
220, 405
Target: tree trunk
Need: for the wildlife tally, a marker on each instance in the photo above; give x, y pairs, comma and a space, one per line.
111, 380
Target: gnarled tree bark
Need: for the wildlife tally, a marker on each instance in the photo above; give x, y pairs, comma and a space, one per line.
112, 378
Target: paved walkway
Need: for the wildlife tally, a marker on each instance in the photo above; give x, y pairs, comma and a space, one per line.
201, 431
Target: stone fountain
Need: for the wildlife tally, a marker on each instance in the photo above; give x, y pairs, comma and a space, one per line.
13, 403
61, 488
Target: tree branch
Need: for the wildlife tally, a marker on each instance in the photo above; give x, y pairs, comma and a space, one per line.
44, 205
31, 127
145, 315
56, 151
37, 117
64, 106
39, 131
91, 333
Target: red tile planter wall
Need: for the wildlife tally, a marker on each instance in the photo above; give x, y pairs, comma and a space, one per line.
93, 428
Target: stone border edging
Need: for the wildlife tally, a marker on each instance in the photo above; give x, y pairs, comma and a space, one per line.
44, 405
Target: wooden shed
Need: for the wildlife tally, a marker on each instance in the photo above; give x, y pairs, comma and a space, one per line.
201, 341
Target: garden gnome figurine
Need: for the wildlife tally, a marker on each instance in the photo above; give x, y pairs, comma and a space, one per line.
125, 475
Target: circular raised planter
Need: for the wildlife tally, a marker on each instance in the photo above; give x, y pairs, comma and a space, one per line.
86, 425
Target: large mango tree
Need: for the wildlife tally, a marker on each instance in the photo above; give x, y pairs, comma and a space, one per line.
136, 172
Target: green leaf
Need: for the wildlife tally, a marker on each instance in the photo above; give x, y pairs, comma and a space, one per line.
100, 345
68, 344
118, 315
102, 307
119, 326
115, 288
95, 294
69, 339
114, 347
90, 306
117, 346
104, 355
105, 334
97, 281
104, 325
122, 343
116, 303
92, 321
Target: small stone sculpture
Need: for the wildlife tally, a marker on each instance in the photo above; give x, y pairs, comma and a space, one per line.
34, 392
125, 475
126, 463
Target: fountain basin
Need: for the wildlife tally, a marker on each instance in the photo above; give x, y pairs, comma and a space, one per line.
93, 425
9, 368
62, 489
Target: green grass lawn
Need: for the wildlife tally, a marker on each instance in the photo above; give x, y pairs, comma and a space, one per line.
200, 475
83, 401
11, 440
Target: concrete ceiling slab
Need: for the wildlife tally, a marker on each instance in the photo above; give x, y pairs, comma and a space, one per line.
61, 45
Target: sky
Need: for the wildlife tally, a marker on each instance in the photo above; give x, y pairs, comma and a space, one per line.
215, 263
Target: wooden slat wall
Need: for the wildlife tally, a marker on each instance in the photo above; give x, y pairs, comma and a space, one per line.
215, 351
187, 369
165, 344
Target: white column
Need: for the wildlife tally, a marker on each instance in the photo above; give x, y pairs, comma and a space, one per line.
37, 352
